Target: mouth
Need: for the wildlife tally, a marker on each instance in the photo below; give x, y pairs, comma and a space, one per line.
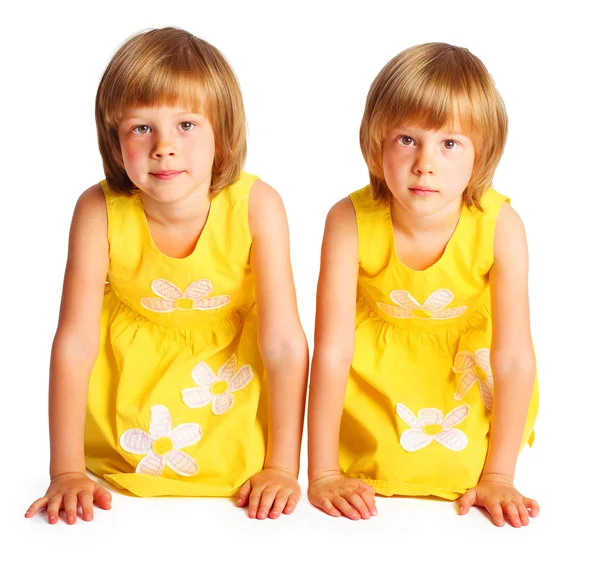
166, 175
422, 191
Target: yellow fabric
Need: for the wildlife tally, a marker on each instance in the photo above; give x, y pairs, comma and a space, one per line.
409, 360
147, 355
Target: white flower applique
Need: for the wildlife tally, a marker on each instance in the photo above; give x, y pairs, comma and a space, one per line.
163, 444
219, 388
432, 425
194, 297
474, 369
433, 308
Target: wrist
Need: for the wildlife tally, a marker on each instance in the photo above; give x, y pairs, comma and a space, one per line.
55, 475
497, 476
292, 471
320, 474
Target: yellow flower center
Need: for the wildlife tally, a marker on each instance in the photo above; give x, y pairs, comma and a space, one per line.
162, 446
480, 373
422, 314
184, 303
219, 387
432, 429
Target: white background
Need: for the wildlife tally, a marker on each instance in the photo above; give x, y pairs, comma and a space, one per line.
305, 69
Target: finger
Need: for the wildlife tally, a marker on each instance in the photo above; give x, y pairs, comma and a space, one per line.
513, 515
467, 500
36, 506
523, 514
279, 504
329, 508
368, 487
86, 499
53, 507
359, 505
254, 502
102, 498
532, 506
266, 501
369, 499
292, 502
345, 508
495, 510
243, 494
70, 506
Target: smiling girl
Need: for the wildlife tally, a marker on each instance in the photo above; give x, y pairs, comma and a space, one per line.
424, 377
170, 258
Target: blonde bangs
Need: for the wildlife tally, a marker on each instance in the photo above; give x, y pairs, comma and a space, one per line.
172, 67
436, 86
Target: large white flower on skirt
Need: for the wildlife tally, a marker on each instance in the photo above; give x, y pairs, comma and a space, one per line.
471, 369
432, 425
163, 444
217, 388
433, 308
194, 297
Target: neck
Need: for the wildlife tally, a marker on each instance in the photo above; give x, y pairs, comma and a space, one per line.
185, 211
416, 225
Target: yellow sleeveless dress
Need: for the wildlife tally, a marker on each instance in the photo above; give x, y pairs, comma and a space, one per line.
176, 402
418, 401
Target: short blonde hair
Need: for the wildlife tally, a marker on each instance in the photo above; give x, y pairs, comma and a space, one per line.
173, 67
435, 85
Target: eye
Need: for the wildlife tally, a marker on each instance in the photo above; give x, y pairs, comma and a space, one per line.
450, 144
141, 129
186, 125
405, 140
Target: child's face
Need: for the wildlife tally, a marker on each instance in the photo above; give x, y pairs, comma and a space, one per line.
427, 170
168, 152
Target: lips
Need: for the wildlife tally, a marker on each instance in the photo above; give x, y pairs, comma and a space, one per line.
164, 175
422, 191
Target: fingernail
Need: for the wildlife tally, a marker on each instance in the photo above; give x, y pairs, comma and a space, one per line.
374, 512
275, 512
52, 519
88, 517
71, 520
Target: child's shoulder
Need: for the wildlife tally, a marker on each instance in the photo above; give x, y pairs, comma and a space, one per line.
91, 203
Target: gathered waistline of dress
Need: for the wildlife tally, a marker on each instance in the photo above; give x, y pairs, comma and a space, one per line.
234, 317
429, 325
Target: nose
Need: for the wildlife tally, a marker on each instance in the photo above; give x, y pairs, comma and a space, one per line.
163, 147
424, 162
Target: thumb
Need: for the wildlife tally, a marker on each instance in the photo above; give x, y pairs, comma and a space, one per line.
467, 500
243, 494
102, 497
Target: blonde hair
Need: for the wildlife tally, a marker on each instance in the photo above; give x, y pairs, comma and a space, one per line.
169, 66
435, 85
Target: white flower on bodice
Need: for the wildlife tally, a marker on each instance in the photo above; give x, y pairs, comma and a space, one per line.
163, 444
433, 308
172, 298
474, 369
219, 388
432, 425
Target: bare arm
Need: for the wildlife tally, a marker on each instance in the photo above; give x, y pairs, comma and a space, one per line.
73, 354
76, 342
284, 350
512, 357
513, 367
334, 338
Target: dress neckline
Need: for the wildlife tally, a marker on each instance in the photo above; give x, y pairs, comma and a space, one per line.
199, 242
447, 249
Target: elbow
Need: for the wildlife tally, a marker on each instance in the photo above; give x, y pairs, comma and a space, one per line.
520, 362
289, 349
72, 347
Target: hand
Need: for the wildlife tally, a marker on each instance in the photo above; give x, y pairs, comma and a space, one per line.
336, 494
268, 493
68, 490
497, 494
